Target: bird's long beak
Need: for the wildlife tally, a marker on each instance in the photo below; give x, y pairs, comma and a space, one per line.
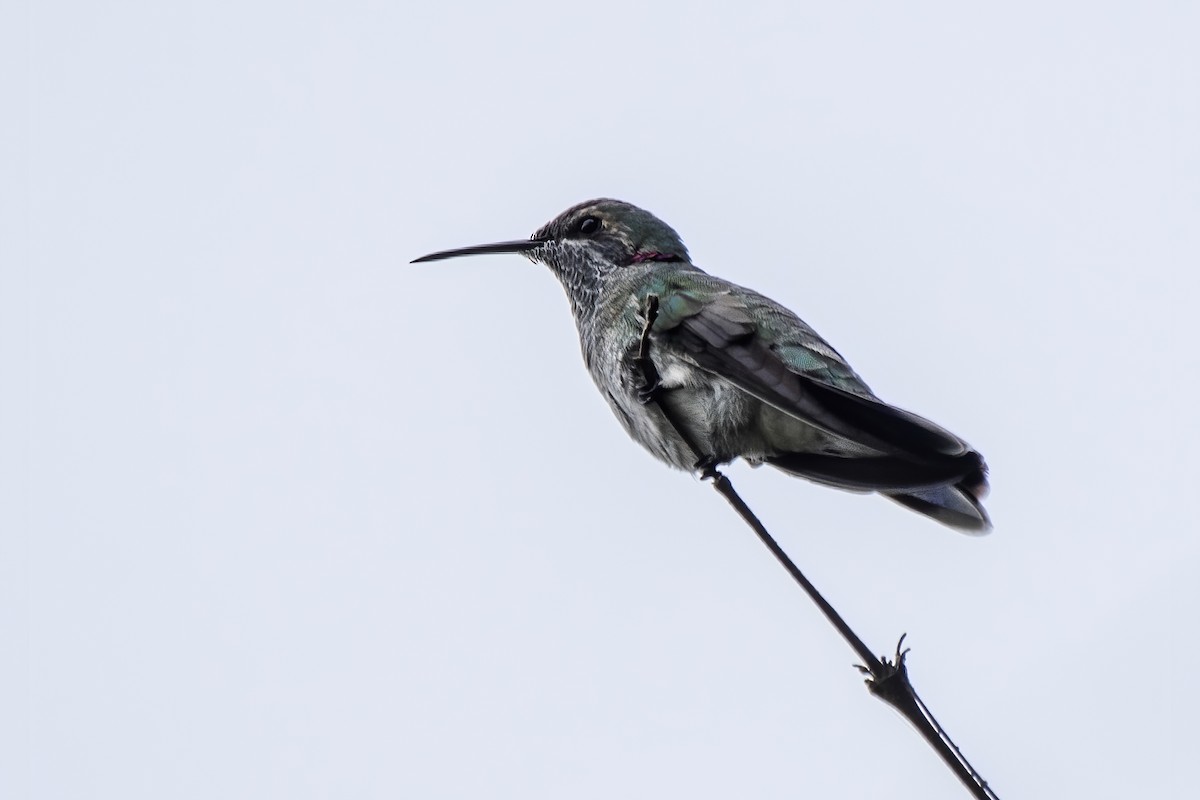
519, 246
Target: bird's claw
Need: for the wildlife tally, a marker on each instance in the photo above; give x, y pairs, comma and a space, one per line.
648, 393
707, 467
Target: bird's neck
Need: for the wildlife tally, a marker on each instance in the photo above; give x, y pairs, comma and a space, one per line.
582, 283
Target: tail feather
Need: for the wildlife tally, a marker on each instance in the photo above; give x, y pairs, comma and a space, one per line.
957, 505
950, 491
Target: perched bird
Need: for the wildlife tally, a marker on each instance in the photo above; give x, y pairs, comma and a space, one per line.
738, 374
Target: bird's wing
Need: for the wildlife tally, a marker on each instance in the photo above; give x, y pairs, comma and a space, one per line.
766, 351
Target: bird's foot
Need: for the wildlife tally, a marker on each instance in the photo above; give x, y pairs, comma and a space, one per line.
649, 388
649, 392
707, 467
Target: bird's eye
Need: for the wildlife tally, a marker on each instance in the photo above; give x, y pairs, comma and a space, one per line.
589, 225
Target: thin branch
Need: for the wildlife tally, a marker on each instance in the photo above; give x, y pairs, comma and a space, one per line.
886, 679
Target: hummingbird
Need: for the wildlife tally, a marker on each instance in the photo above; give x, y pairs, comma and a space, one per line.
733, 374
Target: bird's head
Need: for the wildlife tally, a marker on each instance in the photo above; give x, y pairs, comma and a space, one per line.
596, 236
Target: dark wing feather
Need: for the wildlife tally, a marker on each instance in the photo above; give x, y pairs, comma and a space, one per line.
719, 335
868, 474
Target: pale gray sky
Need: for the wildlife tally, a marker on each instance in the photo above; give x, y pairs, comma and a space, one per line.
288, 517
